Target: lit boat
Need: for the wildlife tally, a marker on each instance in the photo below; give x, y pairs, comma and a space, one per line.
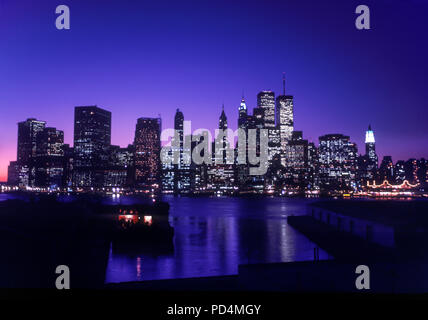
139, 228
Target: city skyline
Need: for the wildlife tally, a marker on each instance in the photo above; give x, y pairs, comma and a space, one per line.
361, 151
342, 79
93, 163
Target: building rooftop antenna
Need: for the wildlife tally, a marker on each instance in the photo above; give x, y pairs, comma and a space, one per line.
283, 83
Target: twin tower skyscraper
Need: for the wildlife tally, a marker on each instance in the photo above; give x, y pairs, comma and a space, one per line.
276, 115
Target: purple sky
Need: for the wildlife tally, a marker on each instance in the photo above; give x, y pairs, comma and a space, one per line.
144, 58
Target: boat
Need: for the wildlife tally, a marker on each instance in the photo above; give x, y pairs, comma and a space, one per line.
142, 228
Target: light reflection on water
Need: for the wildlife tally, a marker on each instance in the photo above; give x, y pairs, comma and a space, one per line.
214, 235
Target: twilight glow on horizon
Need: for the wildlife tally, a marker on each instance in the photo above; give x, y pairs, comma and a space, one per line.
145, 58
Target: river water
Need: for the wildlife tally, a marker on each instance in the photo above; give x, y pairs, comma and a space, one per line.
214, 235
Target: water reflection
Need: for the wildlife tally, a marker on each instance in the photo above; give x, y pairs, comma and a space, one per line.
214, 235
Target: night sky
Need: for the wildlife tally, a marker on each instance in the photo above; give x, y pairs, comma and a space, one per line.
144, 58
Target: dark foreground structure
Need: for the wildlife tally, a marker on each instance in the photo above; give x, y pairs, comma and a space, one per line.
38, 235
390, 238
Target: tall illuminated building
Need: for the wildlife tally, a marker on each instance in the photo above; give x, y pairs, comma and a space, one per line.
92, 140
221, 175
121, 167
266, 101
222, 121
244, 123
49, 158
220, 147
27, 139
284, 120
169, 170
256, 121
371, 150
400, 172
297, 159
182, 174
28, 132
243, 115
147, 153
337, 161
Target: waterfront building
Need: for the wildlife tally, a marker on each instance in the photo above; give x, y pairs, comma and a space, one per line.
368, 163
400, 171
386, 170
411, 169
182, 174
312, 176
147, 153
13, 174
49, 162
27, 139
284, 120
371, 149
422, 171
256, 183
92, 139
266, 101
199, 172
221, 179
120, 169
244, 123
371, 156
168, 173
274, 144
243, 115
27, 150
296, 155
337, 162
68, 166
221, 174
221, 147
176, 177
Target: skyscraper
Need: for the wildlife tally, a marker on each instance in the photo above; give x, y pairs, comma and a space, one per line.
147, 153
169, 178
337, 158
50, 142
50, 158
284, 120
245, 122
221, 145
266, 100
27, 139
222, 121
368, 163
243, 115
13, 173
28, 132
386, 170
256, 121
182, 169
92, 139
371, 150
221, 175
297, 155
120, 170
